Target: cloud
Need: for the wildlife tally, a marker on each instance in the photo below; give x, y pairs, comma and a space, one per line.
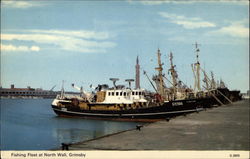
19, 48
233, 33
20, 4
79, 33
187, 23
77, 41
150, 2
160, 2
35, 48
235, 29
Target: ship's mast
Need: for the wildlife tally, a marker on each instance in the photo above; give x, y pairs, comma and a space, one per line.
196, 69
213, 83
193, 69
173, 74
160, 76
62, 90
222, 84
205, 80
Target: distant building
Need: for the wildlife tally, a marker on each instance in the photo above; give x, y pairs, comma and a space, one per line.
27, 92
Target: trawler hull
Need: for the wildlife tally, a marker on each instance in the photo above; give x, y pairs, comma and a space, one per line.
225, 97
163, 111
154, 112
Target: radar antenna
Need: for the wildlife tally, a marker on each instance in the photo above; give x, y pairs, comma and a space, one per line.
114, 81
129, 82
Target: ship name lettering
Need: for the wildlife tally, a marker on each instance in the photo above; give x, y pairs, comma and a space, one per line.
192, 101
177, 103
64, 109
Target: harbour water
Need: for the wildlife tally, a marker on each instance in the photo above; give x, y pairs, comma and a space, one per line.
31, 124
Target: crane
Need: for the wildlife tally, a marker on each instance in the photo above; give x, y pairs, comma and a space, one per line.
52, 88
83, 93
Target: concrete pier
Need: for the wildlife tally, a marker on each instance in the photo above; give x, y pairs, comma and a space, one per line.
221, 128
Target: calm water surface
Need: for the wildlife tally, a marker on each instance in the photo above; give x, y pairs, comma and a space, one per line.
31, 124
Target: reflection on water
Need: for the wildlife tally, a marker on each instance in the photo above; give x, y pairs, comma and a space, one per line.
76, 135
30, 124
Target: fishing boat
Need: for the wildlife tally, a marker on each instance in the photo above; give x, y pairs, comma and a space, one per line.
212, 94
125, 103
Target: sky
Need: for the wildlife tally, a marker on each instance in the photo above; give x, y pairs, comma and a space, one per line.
88, 42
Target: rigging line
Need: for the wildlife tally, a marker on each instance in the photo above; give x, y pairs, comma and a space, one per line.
150, 81
219, 90
168, 80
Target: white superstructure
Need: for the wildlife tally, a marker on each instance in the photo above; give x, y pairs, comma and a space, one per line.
124, 96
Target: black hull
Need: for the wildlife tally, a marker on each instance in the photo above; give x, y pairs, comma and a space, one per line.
164, 111
220, 94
